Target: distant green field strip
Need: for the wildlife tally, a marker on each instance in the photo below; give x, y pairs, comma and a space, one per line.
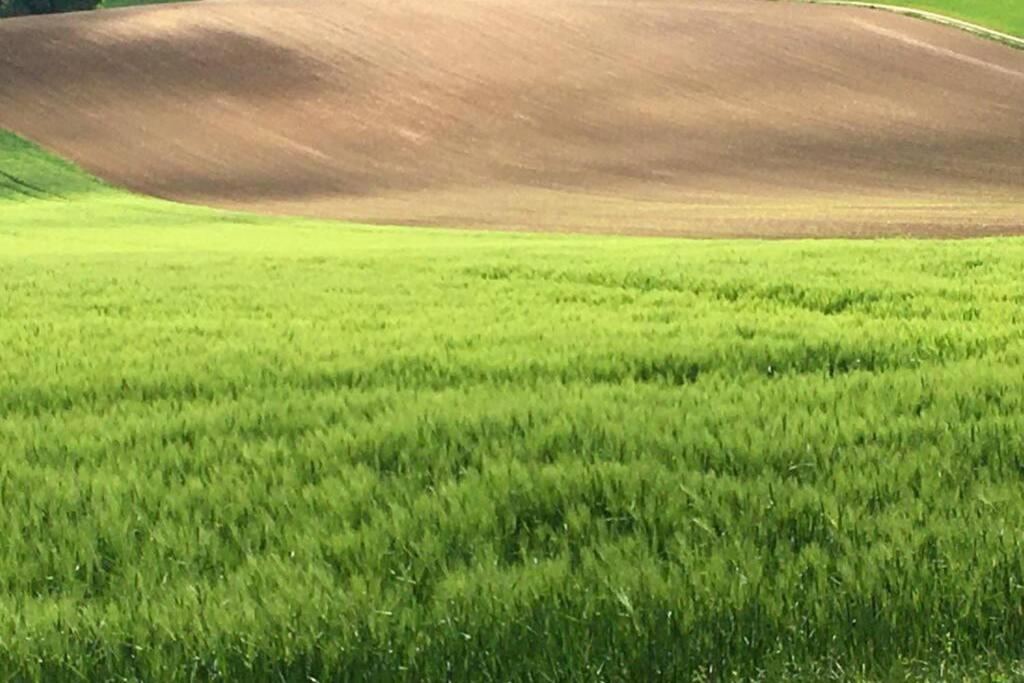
244, 448
1001, 16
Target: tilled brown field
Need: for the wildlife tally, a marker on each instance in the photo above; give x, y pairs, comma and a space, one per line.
682, 117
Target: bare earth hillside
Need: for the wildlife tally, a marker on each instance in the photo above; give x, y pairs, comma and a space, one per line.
689, 117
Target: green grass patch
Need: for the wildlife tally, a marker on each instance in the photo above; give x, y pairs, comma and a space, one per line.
243, 448
26, 173
1002, 15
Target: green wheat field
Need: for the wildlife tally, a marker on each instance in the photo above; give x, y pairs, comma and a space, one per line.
239, 448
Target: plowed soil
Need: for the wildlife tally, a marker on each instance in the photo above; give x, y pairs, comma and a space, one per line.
681, 117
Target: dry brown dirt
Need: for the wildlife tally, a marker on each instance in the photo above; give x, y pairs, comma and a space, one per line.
679, 117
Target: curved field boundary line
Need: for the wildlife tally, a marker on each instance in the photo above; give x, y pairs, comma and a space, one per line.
983, 31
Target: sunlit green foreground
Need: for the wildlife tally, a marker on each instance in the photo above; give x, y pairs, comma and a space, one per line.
258, 449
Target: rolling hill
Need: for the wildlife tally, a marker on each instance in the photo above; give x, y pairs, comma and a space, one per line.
690, 118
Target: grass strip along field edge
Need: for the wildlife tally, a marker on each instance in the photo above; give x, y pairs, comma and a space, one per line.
936, 17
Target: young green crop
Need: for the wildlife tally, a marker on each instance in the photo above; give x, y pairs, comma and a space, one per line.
244, 448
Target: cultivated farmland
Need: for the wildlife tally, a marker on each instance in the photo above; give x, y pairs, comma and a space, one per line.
244, 447
733, 117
